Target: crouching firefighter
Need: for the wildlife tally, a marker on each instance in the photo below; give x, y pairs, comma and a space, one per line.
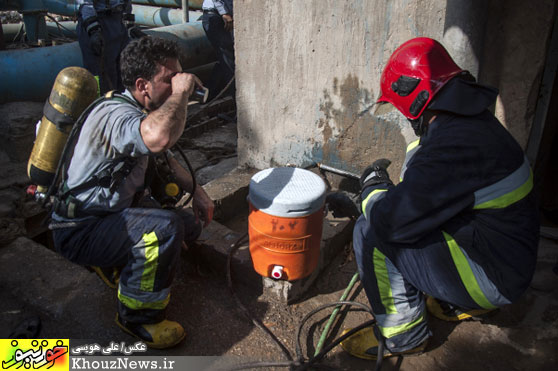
458, 235
98, 218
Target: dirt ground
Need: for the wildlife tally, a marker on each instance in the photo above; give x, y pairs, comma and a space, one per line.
522, 336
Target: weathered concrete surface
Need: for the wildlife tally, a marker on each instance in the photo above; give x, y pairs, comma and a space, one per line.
61, 290
308, 71
517, 36
229, 193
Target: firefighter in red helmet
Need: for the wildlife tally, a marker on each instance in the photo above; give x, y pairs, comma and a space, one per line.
458, 234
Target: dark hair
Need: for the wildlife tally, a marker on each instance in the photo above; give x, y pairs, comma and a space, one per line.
142, 57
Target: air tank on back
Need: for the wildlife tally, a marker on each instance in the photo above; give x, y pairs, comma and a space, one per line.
74, 89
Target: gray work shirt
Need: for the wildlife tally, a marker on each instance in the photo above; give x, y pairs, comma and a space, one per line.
110, 133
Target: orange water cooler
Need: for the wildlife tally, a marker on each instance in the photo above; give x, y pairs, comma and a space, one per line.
285, 222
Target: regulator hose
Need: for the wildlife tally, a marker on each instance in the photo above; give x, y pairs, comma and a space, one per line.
192, 173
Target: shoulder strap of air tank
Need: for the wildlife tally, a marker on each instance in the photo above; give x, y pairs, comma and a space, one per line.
122, 98
71, 141
119, 169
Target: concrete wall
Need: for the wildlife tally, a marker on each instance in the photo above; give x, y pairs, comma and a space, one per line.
308, 72
516, 43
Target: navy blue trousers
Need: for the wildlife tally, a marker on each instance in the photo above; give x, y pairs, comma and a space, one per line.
145, 242
223, 44
395, 280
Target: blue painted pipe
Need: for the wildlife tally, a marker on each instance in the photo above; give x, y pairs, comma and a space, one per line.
193, 42
193, 4
156, 17
145, 15
28, 74
67, 29
68, 8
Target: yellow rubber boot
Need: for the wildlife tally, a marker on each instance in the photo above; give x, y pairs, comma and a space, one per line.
448, 312
162, 335
363, 344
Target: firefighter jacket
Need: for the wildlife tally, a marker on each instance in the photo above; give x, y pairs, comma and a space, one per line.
467, 182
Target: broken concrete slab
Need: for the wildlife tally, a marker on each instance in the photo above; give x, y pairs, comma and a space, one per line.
43, 279
229, 192
222, 166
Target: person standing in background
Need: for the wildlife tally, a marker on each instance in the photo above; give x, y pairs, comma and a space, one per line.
104, 29
217, 20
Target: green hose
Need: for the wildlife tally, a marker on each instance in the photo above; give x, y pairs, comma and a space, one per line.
334, 314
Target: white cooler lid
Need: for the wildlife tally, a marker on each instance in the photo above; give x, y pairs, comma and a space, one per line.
287, 191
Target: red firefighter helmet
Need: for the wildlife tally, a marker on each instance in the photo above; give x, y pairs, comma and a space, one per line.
415, 73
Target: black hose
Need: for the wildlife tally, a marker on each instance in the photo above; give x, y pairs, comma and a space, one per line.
320, 308
192, 173
336, 342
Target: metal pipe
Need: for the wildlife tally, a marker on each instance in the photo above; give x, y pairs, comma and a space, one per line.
185, 8
2, 45
145, 15
202, 72
193, 4
67, 29
28, 74
68, 8
157, 17
193, 42
333, 170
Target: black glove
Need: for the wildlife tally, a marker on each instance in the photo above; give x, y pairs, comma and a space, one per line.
375, 174
96, 41
135, 33
342, 205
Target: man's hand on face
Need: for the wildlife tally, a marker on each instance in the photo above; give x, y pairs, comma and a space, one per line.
185, 83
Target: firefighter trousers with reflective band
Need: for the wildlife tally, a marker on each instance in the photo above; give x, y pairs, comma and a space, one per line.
146, 242
395, 278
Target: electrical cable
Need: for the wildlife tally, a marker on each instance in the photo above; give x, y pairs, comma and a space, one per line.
61, 26
320, 308
337, 341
